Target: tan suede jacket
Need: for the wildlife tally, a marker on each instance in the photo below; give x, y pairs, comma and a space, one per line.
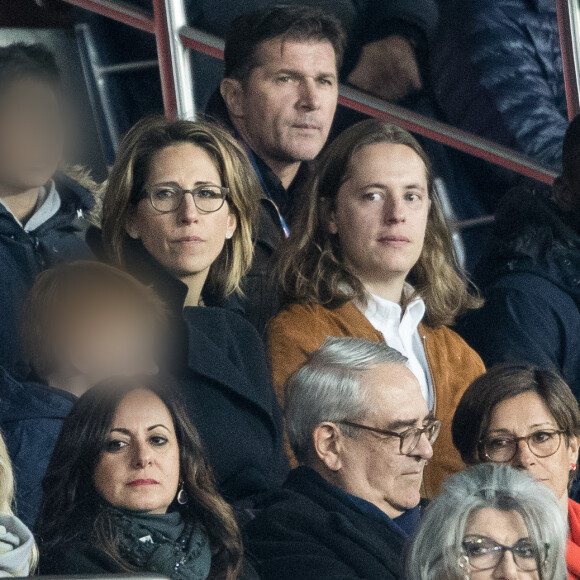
300, 330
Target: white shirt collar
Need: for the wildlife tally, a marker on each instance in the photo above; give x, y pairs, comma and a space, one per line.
381, 308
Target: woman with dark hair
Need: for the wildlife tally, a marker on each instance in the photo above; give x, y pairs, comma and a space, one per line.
129, 488
179, 212
371, 257
527, 418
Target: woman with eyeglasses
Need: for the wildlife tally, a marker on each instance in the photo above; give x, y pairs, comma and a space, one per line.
490, 522
179, 211
529, 419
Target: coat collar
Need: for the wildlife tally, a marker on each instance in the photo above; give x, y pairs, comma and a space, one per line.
206, 339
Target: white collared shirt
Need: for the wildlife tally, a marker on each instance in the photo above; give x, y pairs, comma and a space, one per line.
402, 334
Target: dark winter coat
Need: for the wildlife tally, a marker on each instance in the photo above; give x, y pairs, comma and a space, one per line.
31, 417
531, 285
222, 364
314, 531
24, 255
497, 72
82, 559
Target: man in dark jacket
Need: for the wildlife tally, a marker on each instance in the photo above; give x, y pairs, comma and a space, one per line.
83, 323
41, 214
360, 427
279, 96
497, 72
531, 277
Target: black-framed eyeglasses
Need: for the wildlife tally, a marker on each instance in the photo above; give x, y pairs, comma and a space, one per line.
168, 198
503, 448
484, 553
408, 439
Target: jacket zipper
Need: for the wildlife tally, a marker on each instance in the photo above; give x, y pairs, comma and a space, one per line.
424, 340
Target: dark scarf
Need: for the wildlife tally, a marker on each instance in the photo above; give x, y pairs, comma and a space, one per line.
163, 544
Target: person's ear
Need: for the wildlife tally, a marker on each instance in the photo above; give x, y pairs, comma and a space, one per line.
330, 214
233, 95
231, 225
328, 445
131, 224
573, 446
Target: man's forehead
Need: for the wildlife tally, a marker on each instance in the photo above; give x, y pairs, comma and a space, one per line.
395, 393
289, 52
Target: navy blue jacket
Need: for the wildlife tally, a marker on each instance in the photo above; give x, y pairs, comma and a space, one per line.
31, 417
497, 71
531, 284
24, 255
314, 531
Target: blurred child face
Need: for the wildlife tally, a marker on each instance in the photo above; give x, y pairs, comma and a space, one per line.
31, 134
108, 342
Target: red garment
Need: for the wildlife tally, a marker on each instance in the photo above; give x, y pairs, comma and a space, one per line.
573, 549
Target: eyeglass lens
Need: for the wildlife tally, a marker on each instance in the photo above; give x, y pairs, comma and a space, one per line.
541, 444
485, 553
207, 198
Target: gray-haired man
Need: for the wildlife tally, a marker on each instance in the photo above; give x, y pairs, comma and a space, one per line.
360, 427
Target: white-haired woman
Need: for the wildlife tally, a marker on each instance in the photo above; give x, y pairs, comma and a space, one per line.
490, 522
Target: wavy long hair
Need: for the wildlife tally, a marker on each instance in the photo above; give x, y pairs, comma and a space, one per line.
72, 509
130, 172
310, 265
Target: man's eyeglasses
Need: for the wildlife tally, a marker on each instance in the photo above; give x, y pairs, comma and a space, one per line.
166, 199
409, 439
503, 448
485, 553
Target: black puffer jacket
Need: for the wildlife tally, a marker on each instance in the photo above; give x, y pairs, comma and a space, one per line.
497, 71
531, 284
24, 255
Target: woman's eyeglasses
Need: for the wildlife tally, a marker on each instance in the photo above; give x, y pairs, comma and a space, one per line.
166, 199
409, 439
484, 553
502, 449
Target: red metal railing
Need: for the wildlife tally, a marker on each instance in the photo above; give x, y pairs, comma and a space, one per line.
448, 135
568, 59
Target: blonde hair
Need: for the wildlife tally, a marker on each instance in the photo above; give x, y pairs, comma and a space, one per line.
7, 491
310, 265
130, 172
84, 291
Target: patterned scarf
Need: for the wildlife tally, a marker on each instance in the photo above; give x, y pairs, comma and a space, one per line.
163, 544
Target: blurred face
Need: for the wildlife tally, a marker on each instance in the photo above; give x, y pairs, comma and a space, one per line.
139, 468
525, 415
287, 103
108, 343
381, 211
31, 134
186, 241
506, 528
371, 465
